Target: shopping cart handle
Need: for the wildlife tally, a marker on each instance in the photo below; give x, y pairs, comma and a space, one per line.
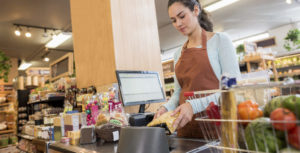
188, 94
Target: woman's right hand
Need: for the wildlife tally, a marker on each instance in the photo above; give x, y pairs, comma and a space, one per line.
160, 111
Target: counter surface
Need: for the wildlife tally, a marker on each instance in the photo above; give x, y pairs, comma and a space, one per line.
177, 145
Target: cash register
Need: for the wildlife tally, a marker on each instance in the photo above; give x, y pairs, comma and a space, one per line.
140, 88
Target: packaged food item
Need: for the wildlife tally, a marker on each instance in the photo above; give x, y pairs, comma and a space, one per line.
108, 132
167, 119
87, 135
102, 119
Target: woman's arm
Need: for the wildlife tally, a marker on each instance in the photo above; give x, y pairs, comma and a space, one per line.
227, 57
174, 100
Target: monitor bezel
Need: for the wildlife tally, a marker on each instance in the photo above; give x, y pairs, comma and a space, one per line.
140, 102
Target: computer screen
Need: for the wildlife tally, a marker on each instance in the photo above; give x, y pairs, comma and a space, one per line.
140, 87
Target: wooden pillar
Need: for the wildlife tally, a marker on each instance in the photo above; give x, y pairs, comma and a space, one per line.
113, 35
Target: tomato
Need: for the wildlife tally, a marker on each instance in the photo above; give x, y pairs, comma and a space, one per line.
213, 112
249, 110
284, 115
294, 137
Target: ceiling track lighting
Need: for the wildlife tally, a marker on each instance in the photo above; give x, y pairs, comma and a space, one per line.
28, 33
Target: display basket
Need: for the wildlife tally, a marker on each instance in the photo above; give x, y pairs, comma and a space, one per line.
225, 128
106, 132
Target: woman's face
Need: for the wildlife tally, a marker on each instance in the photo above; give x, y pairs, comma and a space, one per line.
183, 19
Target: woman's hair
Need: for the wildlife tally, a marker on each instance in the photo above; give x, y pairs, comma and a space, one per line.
203, 18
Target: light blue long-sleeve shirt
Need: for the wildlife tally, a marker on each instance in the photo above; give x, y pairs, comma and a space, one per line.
222, 57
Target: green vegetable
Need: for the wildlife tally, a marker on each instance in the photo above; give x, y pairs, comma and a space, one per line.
273, 104
259, 136
293, 104
114, 121
289, 150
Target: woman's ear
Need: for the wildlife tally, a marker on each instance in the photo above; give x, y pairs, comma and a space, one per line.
197, 10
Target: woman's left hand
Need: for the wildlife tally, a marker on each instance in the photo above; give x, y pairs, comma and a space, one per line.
185, 115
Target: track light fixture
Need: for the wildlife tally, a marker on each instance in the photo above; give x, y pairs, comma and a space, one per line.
28, 34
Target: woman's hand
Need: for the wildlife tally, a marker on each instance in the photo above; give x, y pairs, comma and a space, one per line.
160, 111
185, 115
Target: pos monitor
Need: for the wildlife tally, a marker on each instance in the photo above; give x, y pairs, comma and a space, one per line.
140, 88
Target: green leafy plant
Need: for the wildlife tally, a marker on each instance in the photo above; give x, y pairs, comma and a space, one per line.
240, 49
5, 65
292, 40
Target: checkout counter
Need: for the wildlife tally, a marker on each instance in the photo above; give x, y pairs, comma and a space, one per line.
176, 145
137, 139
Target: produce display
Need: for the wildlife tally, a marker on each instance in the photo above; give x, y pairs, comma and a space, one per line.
287, 61
259, 136
249, 110
278, 129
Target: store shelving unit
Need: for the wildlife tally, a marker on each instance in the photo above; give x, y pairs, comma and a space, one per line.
24, 136
22, 99
288, 64
263, 60
168, 73
6, 131
50, 99
8, 112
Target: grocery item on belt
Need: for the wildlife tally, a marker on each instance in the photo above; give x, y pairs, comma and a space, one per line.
167, 119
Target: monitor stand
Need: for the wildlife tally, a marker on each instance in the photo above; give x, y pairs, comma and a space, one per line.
141, 118
142, 108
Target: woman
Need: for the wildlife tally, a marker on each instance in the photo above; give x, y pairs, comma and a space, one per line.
198, 65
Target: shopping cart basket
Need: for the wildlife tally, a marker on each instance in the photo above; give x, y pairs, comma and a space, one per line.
223, 125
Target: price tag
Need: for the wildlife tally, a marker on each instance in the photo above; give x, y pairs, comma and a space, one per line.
116, 135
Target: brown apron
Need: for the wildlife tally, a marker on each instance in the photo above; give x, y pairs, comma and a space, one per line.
194, 73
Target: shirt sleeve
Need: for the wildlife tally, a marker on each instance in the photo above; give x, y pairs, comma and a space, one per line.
227, 57
174, 100
229, 65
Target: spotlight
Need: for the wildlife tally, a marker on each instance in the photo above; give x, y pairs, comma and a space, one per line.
289, 1
28, 34
46, 59
18, 31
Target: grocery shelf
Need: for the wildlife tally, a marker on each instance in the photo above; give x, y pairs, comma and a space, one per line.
287, 75
50, 99
24, 136
11, 145
6, 131
5, 92
288, 68
5, 104
6, 111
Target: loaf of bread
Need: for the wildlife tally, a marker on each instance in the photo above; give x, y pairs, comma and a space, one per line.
167, 119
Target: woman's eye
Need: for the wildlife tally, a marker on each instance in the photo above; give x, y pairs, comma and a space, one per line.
181, 17
173, 21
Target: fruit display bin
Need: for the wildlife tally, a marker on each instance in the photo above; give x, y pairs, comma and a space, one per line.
253, 118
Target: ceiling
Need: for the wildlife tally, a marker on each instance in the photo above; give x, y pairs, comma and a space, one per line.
44, 13
241, 19
244, 18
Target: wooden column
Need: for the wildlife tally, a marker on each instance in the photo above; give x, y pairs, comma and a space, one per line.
113, 35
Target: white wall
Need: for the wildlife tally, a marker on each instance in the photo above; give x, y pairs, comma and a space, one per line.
170, 37
171, 40
280, 33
